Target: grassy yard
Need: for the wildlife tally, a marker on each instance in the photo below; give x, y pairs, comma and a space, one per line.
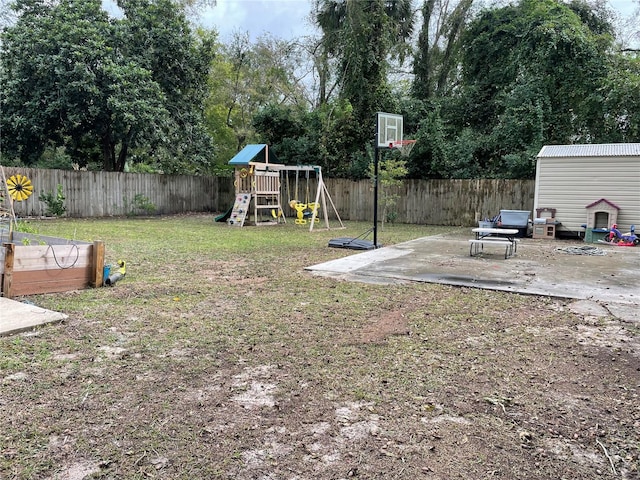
219, 356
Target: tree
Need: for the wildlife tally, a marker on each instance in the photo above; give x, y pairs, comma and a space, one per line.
532, 74
428, 158
362, 35
104, 89
281, 126
158, 37
324, 69
333, 131
247, 78
436, 58
621, 101
628, 30
391, 170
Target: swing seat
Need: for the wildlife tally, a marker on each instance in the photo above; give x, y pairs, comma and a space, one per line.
313, 211
300, 208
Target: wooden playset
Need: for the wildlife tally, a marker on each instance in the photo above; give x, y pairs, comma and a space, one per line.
259, 189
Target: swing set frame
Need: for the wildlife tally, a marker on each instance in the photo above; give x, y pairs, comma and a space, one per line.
321, 201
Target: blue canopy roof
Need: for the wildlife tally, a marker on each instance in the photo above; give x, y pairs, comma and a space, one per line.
253, 153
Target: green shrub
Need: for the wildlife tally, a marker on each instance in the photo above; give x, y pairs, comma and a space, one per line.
140, 203
54, 202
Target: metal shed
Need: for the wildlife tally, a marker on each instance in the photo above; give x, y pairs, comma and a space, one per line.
573, 178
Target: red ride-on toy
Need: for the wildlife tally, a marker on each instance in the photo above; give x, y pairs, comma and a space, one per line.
624, 240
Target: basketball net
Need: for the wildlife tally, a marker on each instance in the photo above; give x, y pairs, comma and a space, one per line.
404, 146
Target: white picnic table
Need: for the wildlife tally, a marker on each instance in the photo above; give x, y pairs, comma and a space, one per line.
494, 236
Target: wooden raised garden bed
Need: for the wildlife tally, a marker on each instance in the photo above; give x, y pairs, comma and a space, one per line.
32, 264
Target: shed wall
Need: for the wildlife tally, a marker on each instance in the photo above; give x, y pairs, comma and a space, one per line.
570, 184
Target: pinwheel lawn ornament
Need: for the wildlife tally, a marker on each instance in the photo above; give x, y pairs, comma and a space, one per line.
19, 187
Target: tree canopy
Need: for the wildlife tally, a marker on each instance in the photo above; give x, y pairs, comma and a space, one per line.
481, 89
101, 87
531, 73
362, 35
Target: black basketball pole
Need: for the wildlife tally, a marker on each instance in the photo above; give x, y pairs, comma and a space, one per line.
376, 154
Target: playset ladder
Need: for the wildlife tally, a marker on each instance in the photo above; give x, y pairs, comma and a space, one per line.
261, 187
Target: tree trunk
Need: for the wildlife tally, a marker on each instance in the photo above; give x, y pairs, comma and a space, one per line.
457, 22
122, 157
422, 64
108, 154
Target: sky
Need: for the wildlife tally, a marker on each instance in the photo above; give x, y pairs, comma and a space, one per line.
285, 19
288, 19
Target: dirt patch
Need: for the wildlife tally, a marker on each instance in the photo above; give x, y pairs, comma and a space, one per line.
76, 471
390, 323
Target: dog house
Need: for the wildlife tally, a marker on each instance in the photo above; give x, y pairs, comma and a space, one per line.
600, 216
589, 186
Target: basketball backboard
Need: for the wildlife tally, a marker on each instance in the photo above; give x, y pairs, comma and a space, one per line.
389, 129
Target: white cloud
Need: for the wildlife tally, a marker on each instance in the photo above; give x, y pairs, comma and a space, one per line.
281, 18
623, 7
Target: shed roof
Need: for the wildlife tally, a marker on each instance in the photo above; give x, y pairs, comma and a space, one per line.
592, 150
251, 153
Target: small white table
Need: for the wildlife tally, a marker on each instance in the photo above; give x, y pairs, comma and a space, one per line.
494, 236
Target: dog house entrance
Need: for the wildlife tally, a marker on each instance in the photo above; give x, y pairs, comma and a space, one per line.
601, 220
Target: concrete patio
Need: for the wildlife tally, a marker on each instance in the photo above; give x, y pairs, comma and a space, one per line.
540, 267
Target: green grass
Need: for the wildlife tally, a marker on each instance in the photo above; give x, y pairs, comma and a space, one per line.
149, 368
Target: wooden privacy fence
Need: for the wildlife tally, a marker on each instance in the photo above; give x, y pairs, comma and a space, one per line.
435, 202
104, 194
423, 202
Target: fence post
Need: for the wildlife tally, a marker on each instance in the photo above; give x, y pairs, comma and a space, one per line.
7, 278
97, 264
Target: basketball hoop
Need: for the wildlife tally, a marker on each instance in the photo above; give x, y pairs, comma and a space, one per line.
404, 146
